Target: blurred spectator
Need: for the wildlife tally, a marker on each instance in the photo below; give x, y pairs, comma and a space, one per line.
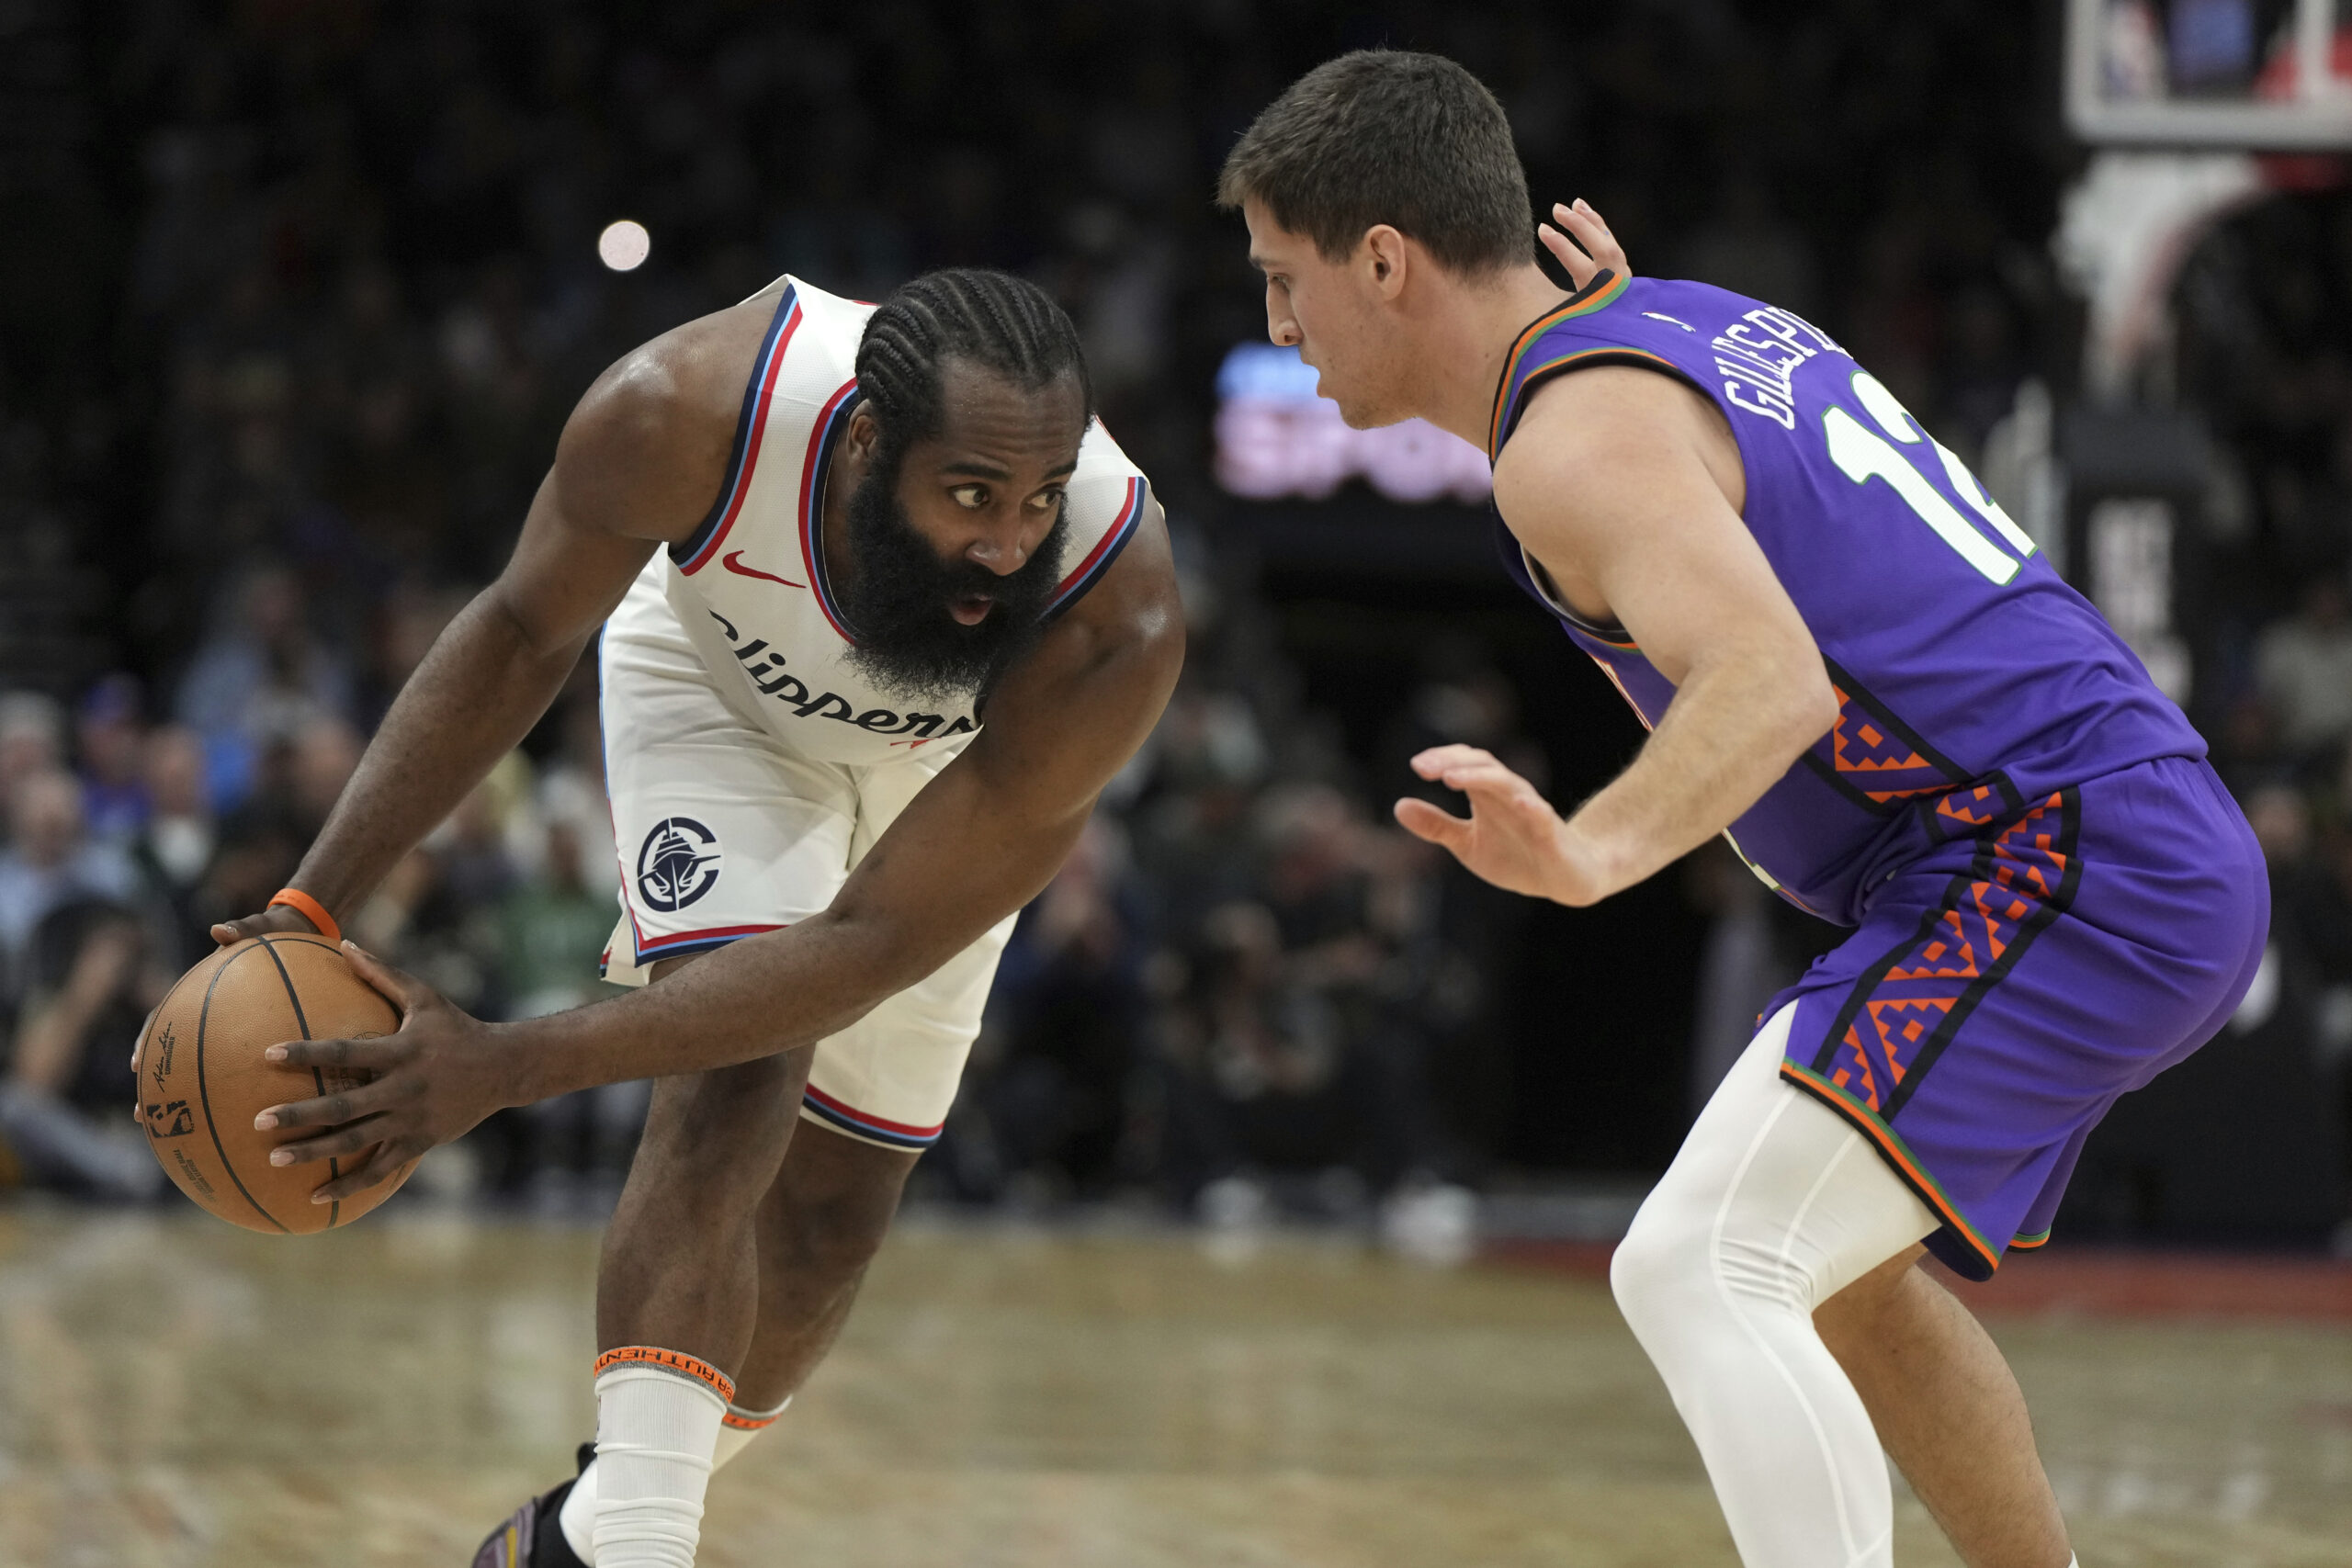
33, 737
172, 848
1265, 1084
91, 980
1060, 1048
262, 676
2304, 664
551, 929
50, 862
1209, 755
412, 618
322, 756
108, 730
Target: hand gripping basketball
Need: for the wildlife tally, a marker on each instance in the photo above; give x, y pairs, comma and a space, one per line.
228, 933
432, 1081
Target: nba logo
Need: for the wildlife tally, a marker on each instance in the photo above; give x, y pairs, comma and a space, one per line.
677, 864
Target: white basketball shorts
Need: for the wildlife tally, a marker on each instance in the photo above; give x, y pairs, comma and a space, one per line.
722, 833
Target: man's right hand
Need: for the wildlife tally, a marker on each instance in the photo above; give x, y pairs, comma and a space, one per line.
1599, 253
276, 918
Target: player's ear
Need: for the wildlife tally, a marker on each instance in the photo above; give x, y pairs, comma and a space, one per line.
1383, 257
864, 433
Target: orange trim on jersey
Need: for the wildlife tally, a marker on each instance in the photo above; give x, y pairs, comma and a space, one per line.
310, 908
1582, 305
1891, 1149
676, 1361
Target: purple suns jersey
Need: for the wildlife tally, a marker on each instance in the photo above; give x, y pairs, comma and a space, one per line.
1972, 680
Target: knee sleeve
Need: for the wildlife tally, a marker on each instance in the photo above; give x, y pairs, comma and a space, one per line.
1772, 1206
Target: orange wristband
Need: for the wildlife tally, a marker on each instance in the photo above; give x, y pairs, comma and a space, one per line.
310, 908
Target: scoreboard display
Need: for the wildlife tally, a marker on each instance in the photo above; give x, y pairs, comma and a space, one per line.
1276, 439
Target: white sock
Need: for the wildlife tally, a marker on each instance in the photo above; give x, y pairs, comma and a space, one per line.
578, 1518
657, 1426
740, 1426
1772, 1206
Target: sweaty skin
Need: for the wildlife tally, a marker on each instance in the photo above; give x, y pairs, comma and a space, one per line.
636, 468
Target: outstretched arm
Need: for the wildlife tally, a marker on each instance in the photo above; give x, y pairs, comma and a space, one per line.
975, 844
1624, 485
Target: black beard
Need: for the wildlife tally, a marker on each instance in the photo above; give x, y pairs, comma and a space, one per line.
900, 589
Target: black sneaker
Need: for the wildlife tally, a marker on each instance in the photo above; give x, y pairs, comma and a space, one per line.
533, 1537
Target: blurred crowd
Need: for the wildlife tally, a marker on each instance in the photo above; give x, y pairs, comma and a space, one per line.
2266, 356
1231, 999
323, 283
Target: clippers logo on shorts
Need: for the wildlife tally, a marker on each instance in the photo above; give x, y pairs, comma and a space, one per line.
677, 865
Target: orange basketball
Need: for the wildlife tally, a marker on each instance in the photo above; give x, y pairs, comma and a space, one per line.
202, 1078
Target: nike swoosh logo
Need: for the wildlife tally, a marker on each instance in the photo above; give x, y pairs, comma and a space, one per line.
732, 561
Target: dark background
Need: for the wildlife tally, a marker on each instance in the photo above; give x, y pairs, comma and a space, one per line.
314, 283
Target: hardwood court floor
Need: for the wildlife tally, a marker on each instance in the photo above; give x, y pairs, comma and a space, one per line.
177, 1394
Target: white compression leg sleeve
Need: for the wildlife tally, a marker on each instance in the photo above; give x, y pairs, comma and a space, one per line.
578, 1518
1773, 1205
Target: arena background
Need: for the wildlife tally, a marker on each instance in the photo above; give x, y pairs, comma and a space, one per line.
295, 296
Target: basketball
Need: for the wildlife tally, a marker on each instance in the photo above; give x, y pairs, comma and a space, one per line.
202, 1078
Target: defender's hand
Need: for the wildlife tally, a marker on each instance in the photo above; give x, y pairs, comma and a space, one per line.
1601, 251
1512, 836
276, 918
442, 1073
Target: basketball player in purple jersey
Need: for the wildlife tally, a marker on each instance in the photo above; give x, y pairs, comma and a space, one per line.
1856, 669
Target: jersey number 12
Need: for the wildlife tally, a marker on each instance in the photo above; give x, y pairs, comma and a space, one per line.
1862, 455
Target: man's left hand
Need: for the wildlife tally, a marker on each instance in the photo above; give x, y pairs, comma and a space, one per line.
1512, 838
442, 1073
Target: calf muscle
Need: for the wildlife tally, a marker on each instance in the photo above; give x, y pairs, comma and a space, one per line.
1950, 1412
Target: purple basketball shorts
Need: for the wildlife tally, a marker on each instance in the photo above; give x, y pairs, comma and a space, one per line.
2003, 990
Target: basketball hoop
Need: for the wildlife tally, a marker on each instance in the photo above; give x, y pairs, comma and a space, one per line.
2194, 121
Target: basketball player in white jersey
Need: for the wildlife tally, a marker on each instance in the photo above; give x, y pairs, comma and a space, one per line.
883, 611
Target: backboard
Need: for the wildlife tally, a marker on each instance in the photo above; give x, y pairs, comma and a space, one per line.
2244, 75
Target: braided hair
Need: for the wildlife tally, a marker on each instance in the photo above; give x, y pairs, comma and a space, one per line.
992, 319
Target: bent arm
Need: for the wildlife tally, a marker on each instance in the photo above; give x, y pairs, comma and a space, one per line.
635, 464
1624, 485
974, 845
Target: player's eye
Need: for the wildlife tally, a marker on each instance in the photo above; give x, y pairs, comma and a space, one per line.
970, 497
1046, 500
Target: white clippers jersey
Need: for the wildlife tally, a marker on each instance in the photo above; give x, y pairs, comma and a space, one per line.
749, 588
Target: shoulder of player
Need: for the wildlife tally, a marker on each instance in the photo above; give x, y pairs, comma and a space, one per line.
1600, 429
1133, 615
647, 445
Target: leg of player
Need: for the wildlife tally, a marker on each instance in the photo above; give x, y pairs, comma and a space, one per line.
676, 1300
820, 1225
1773, 1206
1950, 1412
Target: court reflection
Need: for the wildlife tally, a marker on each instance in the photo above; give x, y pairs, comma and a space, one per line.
176, 1393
